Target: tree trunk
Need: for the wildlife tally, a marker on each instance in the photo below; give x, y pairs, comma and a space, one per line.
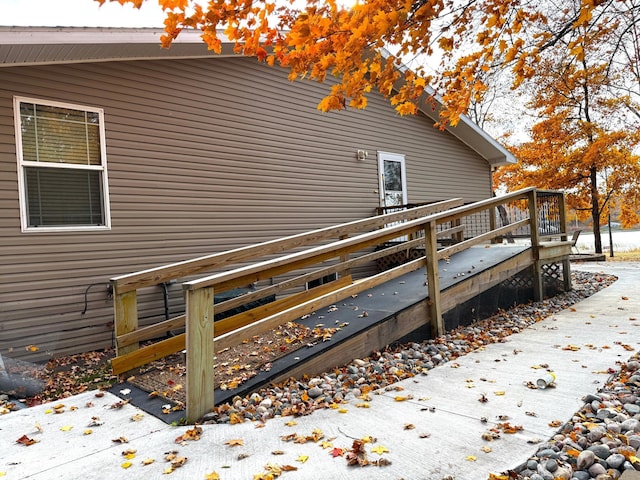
595, 210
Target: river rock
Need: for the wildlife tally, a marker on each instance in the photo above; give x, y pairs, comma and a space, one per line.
585, 459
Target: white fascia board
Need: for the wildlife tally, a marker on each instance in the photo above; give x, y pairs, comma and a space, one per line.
90, 36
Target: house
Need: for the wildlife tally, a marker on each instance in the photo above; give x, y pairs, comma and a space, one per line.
117, 155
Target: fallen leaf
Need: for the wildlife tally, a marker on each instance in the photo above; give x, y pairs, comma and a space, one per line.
26, 441
337, 452
302, 458
88, 431
126, 464
379, 449
409, 426
212, 476
137, 417
573, 348
178, 462
499, 393
277, 452
66, 428
95, 422
235, 418
291, 423
129, 453
120, 404
471, 458
555, 423
192, 434
237, 442
148, 461
486, 449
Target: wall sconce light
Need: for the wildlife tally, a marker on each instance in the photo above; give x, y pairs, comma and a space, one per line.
362, 154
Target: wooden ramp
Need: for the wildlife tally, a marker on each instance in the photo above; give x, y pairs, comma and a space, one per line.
393, 310
452, 254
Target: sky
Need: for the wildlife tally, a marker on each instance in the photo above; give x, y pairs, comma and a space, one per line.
78, 13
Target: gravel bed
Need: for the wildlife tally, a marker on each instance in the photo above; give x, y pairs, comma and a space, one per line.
381, 369
601, 440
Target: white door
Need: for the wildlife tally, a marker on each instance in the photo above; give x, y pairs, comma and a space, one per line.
393, 181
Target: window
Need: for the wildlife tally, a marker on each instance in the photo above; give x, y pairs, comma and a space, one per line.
61, 165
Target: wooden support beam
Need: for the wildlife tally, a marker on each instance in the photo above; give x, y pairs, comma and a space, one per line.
433, 279
538, 287
199, 326
144, 355
125, 310
152, 331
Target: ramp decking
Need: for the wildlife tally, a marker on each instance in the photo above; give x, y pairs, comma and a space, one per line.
394, 309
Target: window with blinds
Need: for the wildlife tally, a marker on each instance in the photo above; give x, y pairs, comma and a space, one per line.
63, 175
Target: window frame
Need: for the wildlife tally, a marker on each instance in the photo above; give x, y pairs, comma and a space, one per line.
22, 165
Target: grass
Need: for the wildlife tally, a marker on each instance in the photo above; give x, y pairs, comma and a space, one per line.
629, 256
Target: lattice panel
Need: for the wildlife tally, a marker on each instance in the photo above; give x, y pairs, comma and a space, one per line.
398, 258
523, 279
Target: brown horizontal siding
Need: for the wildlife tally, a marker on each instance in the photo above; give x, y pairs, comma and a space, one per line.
203, 156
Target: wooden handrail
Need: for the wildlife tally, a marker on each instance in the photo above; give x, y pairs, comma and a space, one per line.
155, 276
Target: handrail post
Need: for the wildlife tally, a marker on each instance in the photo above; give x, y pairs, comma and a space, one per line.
433, 279
566, 262
538, 289
492, 221
199, 330
125, 317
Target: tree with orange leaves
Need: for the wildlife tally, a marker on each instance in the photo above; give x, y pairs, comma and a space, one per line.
364, 45
579, 58
586, 140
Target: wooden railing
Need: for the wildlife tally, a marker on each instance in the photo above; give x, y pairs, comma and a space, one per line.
295, 261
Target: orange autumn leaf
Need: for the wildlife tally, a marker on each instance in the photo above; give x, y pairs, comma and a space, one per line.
314, 39
236, 442
25, 440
